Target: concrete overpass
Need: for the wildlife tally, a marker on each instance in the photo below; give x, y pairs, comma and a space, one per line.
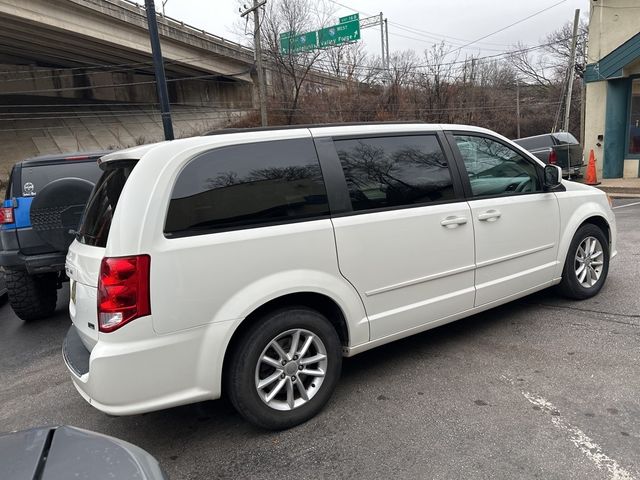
78, 74
77, 34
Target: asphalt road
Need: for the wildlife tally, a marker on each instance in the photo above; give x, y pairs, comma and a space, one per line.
540, 388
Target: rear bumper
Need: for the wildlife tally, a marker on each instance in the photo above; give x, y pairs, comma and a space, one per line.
133, 370
33, 264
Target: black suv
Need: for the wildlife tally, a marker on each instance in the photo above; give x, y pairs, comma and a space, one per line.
43, 205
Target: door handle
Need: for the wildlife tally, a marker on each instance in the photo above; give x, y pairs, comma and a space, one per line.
490, 216
453, 222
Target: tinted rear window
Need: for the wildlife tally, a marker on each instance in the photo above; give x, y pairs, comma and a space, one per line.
532, 143
248, 185
96, 222
565, 138
35, 178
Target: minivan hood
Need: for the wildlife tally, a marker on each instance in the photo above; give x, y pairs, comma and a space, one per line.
575, 187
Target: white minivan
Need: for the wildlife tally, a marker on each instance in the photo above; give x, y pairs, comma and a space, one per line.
248, 263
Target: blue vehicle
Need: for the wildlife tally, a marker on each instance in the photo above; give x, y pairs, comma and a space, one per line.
43, 205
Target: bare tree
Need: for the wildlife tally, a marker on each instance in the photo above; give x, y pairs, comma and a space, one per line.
558, 44
436, 82
292, 68
346, 61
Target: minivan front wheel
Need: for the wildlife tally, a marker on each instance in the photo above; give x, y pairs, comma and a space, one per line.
587, 263
285, 368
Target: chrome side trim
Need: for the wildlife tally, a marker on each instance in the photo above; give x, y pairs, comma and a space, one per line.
416, 281
511, 256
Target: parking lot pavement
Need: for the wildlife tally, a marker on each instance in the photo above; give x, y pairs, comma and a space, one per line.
540, 388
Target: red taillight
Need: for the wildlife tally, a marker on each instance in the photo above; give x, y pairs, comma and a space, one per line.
6, 215
553, 157
123, 291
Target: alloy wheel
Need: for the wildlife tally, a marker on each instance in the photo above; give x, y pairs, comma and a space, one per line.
291, 369
589, 262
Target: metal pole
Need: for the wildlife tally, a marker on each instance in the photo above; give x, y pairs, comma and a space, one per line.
386, 35
262, 91
518, 107
158, 65
571, 73
382, 40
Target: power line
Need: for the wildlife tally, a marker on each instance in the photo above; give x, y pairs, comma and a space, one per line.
103, 68
460, 62
128, 84
511, 25
436, 36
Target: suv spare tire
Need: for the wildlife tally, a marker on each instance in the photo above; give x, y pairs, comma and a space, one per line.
57, 210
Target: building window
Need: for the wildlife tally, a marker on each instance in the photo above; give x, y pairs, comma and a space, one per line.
634, 118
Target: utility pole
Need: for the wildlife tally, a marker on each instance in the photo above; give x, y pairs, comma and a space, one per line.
158, 65
583, 99
386, 37
383, 57
571, 72
518, 107
257, 46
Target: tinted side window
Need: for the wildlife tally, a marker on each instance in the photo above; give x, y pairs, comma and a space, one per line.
37, 177
495, 169
248, 185
395, 171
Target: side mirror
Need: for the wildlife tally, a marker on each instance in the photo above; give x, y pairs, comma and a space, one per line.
552, 177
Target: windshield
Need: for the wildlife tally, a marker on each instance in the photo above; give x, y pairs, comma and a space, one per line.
96, 222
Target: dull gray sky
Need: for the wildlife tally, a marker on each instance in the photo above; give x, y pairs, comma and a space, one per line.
413, 24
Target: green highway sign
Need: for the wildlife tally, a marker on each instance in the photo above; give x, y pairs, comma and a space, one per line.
298, 43
350, 18
347, 31
338, 34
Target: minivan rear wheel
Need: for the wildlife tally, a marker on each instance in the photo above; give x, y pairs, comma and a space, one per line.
284, 370
32, 296
586, 265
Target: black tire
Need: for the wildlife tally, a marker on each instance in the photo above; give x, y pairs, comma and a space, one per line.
240, 380
570, 286
32, 296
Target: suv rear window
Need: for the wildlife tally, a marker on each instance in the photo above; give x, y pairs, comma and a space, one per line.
565, 138
96, 222
248, 185
36, 177
532, 143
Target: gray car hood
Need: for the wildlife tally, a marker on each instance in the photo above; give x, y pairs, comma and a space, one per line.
62, 453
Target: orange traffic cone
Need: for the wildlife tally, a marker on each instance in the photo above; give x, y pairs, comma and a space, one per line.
590, 177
